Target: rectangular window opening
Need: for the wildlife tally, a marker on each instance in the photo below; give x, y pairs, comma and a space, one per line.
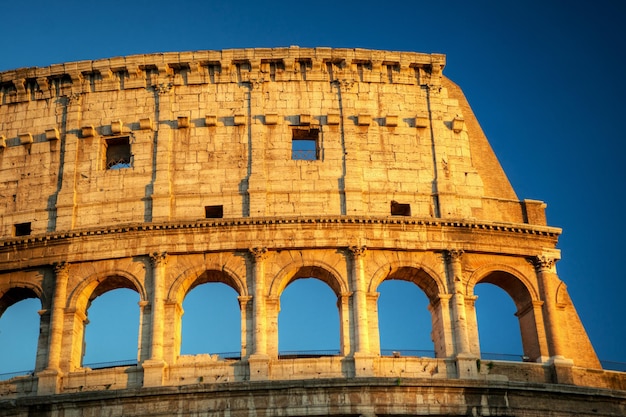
22, 229
399, 209
214, 212
305, 144
117, 153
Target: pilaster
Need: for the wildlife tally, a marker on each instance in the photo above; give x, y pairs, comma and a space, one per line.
155, 366
466, 361
65, 207
548, 282
162, 184
49, 380
245, 304
259, 360
459, 317
363, 358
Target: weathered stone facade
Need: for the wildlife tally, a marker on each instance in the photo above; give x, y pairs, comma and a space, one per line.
255, 168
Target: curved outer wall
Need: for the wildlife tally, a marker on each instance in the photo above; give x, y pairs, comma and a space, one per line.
161, 172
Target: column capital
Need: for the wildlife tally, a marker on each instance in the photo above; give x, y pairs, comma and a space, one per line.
344, 84
258, 253
256, 83
543, 263
357, 251
244, 300
454, 255
158, 259
162, 88
61, 268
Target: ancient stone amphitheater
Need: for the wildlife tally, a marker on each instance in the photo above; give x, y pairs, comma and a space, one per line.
254, 168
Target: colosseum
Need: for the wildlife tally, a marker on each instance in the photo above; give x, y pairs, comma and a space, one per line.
255, 168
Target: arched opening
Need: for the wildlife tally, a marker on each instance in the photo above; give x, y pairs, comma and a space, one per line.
408, 324
498, 328
505, 317
19, 332
112, 326
404, 322
212, 321
308, 321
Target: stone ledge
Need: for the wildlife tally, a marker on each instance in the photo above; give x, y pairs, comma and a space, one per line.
249, 221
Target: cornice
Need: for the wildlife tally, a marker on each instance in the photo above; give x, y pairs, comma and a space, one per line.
223, 66
496, 227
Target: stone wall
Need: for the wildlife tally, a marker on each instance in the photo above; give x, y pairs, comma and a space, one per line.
161, 172
216, 129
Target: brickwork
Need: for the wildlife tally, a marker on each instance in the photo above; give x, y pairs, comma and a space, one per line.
255, 168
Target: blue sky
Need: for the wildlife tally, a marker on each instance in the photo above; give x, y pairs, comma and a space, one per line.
544, 78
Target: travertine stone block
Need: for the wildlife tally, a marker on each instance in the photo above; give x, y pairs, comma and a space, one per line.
239, 119
88, 131
183, 122
25, 138
52, 134
116, 127
210, 120
145, 123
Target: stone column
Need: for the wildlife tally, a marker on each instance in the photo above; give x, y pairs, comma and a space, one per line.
372, 321
359, 304
472, 324
459, 319
466, 361
343, 302
548, 283
244, 305
154, 367
555, 330
144, 332
533, 332
50, 378
259, 360
363, 358
441, 326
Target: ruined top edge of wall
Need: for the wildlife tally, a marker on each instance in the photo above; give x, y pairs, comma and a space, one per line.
252, 58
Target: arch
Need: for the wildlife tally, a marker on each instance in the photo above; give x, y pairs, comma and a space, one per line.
100, 282
511, 280
18, 291
23, 330
562, 297
422, 276
107, 338
201, 274
212, 320
403, 305
307, 268
309, 318
527, 302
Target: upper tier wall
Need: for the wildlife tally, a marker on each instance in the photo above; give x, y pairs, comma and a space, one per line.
212, 133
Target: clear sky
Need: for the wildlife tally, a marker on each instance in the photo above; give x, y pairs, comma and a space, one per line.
545, 78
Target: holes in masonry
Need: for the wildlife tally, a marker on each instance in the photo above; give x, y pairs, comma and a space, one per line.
22, 229
214, 212
117, 153
400, 209
305, 144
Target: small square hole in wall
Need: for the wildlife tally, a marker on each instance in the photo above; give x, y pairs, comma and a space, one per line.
117, 153
305, 144
399, 209
22, 229
214, 212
